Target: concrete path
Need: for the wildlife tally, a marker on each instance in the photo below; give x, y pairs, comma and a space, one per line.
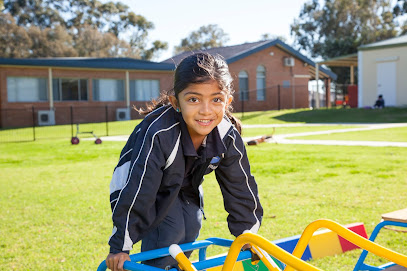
284, 138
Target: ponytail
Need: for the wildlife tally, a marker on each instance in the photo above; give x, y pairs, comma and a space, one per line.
154, 104
235, 121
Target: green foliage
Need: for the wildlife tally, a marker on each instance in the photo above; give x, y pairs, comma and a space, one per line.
400, 9
86, 28
204, 38
339, 27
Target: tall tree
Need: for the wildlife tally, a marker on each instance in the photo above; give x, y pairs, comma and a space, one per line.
76, 16
268, 36
339, 27
51, 42
204, 38
400, 10
14, 39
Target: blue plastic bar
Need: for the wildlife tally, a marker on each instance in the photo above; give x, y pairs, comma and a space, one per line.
202, 254
157, 253
202, 264
360, 265
220, 241
161, 252
244, 255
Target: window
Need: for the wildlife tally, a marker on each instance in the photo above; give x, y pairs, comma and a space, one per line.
286, 84
27, 89
144, 90
68, 89
108, 90
261, 83
243, 86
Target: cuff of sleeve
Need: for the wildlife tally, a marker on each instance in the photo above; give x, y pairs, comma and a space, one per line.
115, 251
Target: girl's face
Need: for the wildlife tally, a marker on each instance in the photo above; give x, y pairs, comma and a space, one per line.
202, 107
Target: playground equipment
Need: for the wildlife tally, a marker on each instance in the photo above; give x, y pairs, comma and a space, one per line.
270, 254
75, 139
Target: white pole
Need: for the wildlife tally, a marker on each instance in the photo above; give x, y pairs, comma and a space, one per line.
352, 75
127, 90
317, 78
50, 92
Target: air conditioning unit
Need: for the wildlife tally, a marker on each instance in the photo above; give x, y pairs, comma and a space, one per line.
289, 61
46, 117
123, 114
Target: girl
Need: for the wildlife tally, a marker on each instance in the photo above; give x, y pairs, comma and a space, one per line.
155, 191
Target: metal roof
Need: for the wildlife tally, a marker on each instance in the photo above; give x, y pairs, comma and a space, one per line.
237, 52
393, 42
341, 61
94, 63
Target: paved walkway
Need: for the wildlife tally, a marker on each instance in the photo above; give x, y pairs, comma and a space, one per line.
284, 138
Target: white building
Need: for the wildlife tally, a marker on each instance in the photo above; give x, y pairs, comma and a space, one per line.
382, 69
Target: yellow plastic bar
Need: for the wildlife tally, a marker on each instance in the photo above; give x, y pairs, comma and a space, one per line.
270, 248
348, 235
177, 253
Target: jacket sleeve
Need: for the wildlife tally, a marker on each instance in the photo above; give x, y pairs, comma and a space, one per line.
239, 188
134, 186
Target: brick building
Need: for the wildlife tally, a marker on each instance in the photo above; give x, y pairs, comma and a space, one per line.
97, 89
267, 75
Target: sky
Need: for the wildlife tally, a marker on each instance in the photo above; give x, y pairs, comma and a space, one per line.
243, 20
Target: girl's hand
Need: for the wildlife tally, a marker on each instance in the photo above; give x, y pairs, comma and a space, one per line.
246, 247
115, 261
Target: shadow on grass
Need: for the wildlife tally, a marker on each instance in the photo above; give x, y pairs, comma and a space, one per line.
346, 115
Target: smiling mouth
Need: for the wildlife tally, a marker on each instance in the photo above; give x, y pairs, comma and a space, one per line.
204, 122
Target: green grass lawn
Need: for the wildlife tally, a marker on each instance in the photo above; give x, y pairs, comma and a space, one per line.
55, 211
333, 115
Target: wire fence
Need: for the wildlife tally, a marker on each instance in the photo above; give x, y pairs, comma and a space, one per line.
28, 124
66, 122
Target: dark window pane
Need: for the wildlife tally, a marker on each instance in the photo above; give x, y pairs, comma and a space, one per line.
55, 89
70, 89
84, 89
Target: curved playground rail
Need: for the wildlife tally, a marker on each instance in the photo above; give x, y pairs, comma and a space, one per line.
293, 261
262, 246
349, 235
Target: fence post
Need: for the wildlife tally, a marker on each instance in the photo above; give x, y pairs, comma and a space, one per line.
71, 121
278, 94
33, 111
107, 123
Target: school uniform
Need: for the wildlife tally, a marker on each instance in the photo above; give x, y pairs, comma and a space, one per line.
156, 193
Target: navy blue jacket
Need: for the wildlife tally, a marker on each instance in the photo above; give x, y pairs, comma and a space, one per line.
150, 174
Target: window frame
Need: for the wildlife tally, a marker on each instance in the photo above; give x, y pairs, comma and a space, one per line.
120, 94
147, 94
42, 90
60, 90
243, 93
261, 75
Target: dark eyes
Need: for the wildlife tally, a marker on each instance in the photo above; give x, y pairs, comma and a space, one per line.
195, 100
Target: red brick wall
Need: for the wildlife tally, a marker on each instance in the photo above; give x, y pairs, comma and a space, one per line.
18, 114
296, 96
276, 73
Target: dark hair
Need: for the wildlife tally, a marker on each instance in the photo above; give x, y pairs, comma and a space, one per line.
195, 69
